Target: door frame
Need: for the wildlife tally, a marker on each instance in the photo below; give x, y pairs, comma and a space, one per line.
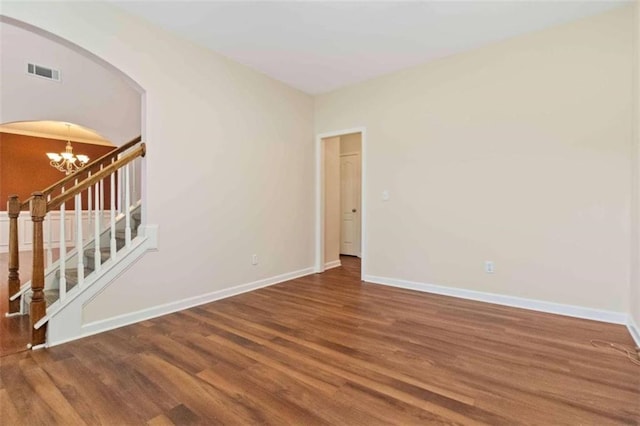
319, 187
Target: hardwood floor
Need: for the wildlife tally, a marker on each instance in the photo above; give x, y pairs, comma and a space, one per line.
328, 349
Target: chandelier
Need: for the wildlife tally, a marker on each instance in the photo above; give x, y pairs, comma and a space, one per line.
65, 161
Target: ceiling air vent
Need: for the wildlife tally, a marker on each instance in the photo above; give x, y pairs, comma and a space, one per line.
44, 72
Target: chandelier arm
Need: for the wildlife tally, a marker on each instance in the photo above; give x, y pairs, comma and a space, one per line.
66, 161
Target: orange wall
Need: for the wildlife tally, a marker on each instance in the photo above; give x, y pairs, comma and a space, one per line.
24, 167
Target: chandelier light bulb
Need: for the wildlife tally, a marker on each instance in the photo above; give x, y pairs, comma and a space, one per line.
66, 161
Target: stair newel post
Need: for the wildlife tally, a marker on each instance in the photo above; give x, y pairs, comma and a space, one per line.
38, 306
13, 210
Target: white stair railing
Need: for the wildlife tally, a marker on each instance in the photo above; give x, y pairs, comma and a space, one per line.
109, 176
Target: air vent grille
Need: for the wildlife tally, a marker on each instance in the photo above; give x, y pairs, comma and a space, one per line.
44, 72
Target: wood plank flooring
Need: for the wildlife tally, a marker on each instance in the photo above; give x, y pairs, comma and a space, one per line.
329, 349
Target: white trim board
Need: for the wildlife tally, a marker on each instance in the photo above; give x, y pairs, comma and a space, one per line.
332, 264
634, 330
100, 326
512, 301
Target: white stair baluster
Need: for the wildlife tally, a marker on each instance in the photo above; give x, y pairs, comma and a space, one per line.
101, 199
63, 254
97, 258
79, 242
136, 168
48, 222
119, 189
89, 204
127, 206
112, 192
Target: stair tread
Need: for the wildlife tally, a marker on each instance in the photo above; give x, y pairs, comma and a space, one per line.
106, 250
71, 276
71, 272
121, 235
74, 271
50, 296
91, 252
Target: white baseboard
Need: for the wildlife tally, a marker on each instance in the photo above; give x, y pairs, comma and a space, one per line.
332, 264
634, 330
179, 305
499, 299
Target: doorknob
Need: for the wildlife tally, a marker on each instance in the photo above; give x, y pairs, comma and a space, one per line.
353, 210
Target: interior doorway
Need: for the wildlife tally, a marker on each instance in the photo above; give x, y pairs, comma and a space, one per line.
350, 196
340, 215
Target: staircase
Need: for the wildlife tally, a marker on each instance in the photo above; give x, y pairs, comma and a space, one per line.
52, 286
93, 205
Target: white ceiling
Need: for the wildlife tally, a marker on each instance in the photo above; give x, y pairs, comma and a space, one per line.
320, 46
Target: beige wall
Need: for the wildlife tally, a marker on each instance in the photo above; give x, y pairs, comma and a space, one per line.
230, 159
331, 199
517, 153
634, 304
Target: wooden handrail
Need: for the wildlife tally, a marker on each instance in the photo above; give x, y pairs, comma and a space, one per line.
92, 166
81, 186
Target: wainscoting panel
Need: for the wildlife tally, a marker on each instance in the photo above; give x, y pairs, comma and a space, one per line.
25, 229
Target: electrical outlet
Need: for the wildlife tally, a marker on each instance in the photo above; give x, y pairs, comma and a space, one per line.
254, 259
489, 267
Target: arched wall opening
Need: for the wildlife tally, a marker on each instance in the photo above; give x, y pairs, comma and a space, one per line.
88, 91
104, 105
229, 161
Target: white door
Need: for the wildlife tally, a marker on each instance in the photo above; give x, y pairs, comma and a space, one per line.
350, 204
